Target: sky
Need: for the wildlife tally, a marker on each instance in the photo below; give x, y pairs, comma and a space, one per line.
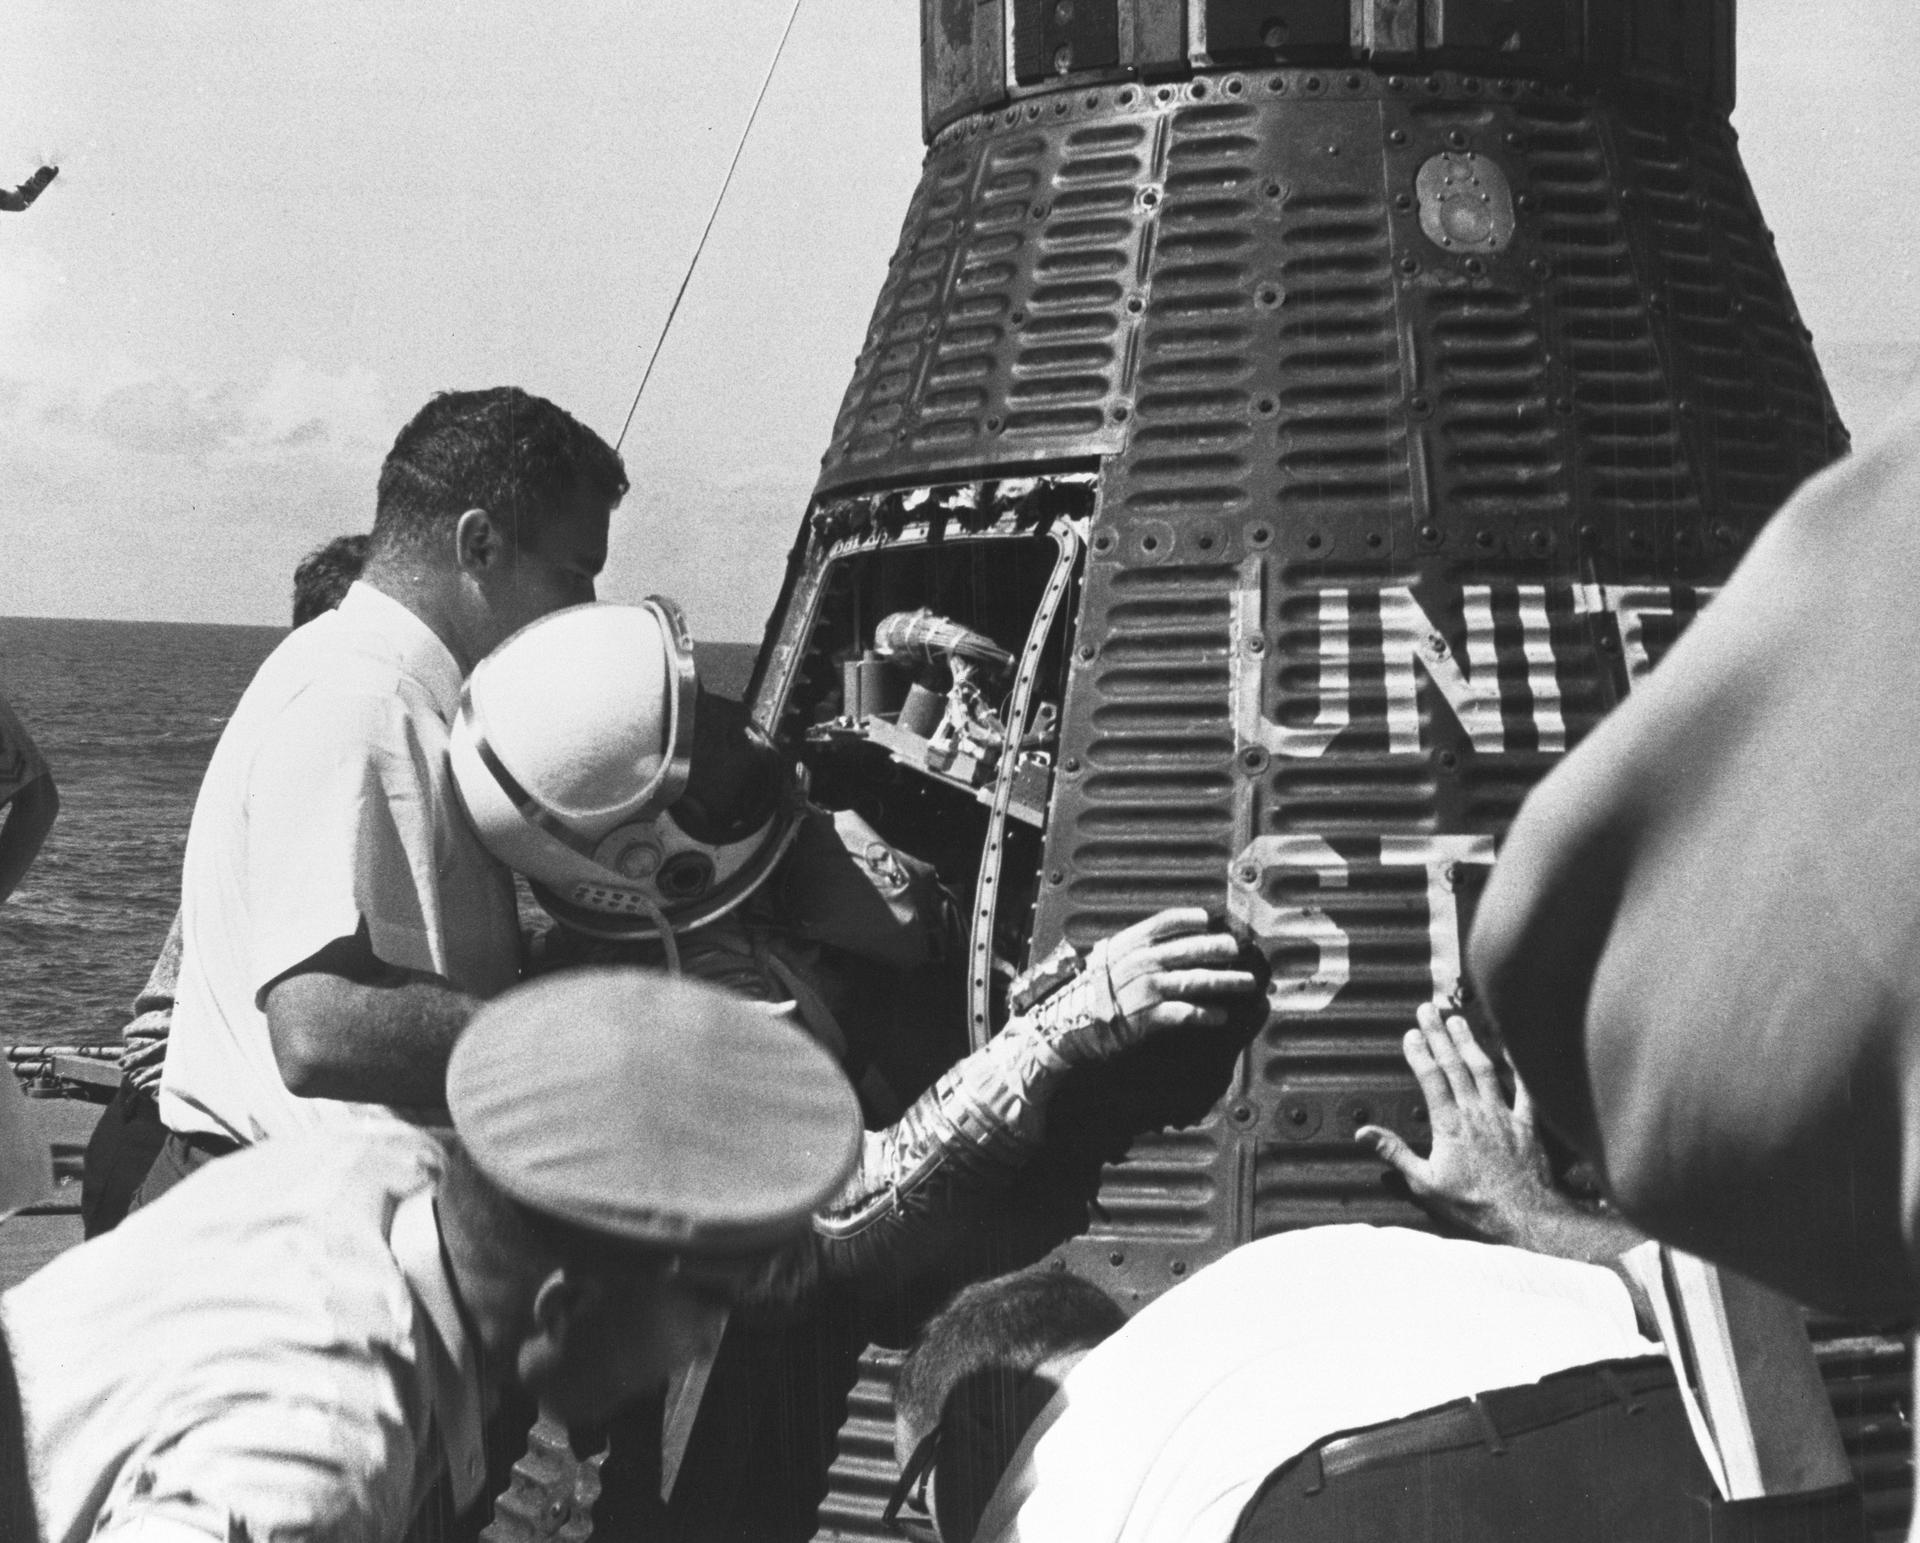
278, 229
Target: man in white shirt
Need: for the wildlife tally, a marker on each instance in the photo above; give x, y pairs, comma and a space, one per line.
340, 920
1336, 1383
300, 1343
128, 1135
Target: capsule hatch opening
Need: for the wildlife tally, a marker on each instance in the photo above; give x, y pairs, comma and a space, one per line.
923, 691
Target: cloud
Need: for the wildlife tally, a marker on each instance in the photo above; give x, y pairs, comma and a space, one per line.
109, 409
178, 540
30, 282
159, 492
166, 417
300, 405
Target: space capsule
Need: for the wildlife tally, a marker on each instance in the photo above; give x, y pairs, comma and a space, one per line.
1324, 410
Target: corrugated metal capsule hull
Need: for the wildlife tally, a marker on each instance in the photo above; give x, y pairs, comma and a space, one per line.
1333, 442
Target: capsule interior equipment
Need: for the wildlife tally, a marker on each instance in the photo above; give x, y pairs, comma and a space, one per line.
1324, 411
941, 732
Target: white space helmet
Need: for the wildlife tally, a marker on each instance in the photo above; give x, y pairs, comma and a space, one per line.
573, 744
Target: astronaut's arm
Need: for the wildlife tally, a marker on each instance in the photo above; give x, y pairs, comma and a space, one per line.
963, 1138
979, 1124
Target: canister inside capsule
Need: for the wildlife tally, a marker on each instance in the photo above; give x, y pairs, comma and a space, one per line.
871, 688
922, 711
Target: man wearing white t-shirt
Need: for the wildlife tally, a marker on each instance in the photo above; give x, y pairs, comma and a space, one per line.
1337, 1383
340, 921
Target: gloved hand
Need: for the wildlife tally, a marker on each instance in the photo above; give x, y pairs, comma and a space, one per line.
1167, 972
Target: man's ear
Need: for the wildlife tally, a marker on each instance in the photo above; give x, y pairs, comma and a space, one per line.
541, 1348
478, 543
558, 1301
983, 1420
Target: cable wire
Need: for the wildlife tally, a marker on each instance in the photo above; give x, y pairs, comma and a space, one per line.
712, 215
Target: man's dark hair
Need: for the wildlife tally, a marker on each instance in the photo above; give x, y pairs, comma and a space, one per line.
525, 461
323, 576
970, 1374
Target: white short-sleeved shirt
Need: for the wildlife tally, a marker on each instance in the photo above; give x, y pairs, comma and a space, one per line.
328, 803
276, 1344
1166, 1429
20, 761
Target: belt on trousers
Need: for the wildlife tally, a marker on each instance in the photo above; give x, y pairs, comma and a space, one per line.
1486, 1419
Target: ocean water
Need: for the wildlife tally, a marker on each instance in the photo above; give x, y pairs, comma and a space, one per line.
127, 715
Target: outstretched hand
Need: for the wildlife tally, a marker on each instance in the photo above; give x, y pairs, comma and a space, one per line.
1488, 1172
1171, 971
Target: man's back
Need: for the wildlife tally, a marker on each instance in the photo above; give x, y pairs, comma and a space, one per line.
1166, 1429
251, 1342
326, 807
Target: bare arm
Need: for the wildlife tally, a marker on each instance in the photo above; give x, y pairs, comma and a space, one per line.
145, 1057
345, 1024
1488, 1173
26, 821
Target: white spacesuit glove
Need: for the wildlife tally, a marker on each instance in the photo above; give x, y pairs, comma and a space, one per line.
983, 1120
1166, 972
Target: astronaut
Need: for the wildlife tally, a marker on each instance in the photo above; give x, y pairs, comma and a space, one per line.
657, 825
